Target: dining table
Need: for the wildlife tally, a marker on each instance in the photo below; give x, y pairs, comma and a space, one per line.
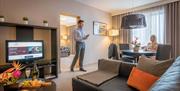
137, 54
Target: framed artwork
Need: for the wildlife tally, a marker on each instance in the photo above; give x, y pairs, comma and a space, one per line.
99, 28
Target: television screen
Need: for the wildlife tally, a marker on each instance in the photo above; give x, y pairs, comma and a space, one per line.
24, 51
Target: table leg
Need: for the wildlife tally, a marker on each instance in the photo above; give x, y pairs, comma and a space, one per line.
136, 59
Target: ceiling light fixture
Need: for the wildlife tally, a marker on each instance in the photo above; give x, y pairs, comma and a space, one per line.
133, 21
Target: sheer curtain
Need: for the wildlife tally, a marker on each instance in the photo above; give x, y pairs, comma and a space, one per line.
155, 19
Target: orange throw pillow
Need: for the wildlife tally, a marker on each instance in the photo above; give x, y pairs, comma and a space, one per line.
141, 80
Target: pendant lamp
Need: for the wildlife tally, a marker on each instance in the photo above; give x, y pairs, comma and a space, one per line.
133, 21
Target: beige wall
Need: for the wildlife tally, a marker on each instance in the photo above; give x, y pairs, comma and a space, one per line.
38, 10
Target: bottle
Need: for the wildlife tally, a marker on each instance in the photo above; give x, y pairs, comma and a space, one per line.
35, 72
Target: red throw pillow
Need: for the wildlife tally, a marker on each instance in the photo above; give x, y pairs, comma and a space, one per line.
141, 80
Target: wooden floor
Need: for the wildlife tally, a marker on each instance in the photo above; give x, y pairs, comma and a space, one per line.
64, 81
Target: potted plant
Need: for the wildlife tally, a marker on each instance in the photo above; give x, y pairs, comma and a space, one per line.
136, 45
25, 19
45, 22
2, 19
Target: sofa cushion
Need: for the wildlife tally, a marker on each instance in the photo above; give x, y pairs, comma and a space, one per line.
108, 65
116, 84
153, 66
107, 69
170, 80
97, 77
141, 80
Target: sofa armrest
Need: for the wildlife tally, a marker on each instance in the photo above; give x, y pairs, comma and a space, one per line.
80, 85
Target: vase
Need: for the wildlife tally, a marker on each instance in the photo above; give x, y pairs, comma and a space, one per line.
26, 21
136, 49
45, 24
2, 19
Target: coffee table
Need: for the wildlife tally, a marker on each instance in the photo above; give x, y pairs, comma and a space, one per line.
15, 87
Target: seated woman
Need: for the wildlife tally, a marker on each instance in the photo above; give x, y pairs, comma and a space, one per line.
152, 45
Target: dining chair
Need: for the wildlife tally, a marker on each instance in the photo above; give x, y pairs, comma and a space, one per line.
125, 57
123, 47
163, 52
113, 51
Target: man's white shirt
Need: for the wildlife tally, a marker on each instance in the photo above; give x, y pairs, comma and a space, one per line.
79, 35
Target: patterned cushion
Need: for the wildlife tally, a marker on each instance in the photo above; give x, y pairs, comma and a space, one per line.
153, 66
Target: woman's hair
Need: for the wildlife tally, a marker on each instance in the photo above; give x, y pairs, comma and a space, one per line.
154, 37
79, 21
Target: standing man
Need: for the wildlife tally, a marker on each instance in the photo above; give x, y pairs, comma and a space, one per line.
79, 37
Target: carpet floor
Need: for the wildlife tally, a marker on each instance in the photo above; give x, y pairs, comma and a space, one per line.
64, 80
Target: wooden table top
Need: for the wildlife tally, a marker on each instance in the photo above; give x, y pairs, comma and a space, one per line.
15, 87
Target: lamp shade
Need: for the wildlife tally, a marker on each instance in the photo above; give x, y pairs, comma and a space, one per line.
133, 21
113, 32
64, 37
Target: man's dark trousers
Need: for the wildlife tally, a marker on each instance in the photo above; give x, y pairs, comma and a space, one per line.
80, 49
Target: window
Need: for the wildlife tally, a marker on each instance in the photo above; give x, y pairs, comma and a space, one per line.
155, 20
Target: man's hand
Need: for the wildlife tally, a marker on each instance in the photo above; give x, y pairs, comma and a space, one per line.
86, 36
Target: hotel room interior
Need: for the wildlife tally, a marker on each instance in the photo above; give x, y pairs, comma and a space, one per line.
133, 45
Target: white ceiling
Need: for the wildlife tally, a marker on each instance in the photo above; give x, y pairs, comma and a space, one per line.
116, 5
68, 20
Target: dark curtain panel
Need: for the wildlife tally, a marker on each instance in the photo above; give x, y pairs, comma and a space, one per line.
173, 27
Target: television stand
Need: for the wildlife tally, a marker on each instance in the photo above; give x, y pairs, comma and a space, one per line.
47, 68
28, 32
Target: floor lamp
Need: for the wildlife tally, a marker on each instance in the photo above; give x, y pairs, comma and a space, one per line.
113, 33
113, 51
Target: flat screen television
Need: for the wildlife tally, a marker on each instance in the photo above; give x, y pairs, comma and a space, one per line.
24, 51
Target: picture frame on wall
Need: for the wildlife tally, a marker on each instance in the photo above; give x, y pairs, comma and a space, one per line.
99, 28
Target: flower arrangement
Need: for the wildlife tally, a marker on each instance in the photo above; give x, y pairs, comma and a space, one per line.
25, 19
45, 21
11, 75
136, 43
2, 18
